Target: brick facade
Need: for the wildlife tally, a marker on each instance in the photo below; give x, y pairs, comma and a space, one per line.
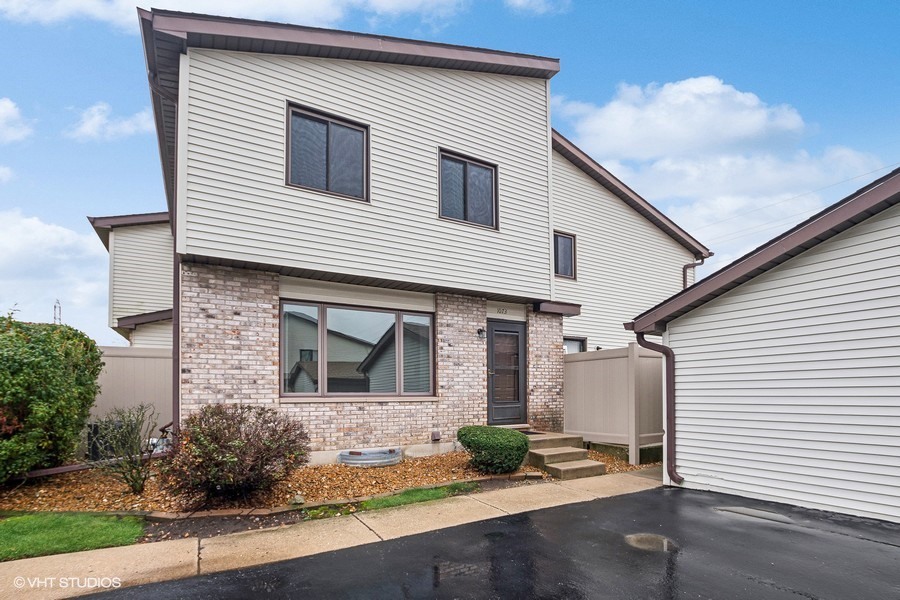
545, 371
230, 353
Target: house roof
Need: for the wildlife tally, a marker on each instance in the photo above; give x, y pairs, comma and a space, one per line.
103, 225
855, 208
167, 34
589, 166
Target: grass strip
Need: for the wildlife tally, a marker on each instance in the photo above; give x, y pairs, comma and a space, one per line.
42, 534
419, 495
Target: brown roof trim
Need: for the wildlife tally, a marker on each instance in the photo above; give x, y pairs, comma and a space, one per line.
314, 41
133, 321
589, 166
855, 208
566, 309
102, 225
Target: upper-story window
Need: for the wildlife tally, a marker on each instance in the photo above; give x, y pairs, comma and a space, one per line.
564, 254
327, 154
468, 190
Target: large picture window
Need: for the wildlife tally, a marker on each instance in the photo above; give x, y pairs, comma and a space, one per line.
327, 154
338, 350
468, 190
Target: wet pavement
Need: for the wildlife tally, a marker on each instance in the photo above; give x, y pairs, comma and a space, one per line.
662, 543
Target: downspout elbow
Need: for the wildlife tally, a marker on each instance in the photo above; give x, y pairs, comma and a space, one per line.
669, 383
688, 267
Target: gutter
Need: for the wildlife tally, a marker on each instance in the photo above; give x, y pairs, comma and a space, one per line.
669, 384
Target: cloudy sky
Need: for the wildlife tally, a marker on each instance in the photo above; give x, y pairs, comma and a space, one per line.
738, 119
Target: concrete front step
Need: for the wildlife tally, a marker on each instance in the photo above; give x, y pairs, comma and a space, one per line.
554, 440
575, 469
542, 457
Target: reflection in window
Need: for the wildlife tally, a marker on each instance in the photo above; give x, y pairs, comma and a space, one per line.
416, 354
300, 334
361, 351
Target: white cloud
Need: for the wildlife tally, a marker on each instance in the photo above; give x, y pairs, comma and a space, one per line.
97, 123
122, 13
691, 116
13, 127
538, 7
41, 262
721, 162
6, 174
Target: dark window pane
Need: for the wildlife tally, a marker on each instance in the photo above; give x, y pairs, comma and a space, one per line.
345, 175
452, 186
564, 254
308, 147
480, 197
416, 354
300, 331
362, 351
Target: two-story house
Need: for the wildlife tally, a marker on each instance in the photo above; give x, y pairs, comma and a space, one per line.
382, 237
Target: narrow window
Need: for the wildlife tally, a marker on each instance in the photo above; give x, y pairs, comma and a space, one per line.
564, 255
327, 154
468, 190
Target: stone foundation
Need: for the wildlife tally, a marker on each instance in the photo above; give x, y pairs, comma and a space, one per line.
230, 354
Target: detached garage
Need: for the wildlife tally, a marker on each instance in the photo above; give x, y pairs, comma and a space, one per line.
786, 376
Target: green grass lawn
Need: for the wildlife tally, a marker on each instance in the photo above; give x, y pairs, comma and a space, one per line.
421, 495
41, 534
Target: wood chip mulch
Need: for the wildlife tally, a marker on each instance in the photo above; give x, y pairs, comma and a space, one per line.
617, 465
93, 490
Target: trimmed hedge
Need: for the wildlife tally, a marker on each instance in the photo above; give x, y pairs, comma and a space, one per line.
48, 382
494, 449
231, 450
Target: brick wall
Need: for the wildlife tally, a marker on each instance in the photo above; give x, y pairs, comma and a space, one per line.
230, 353
545, 371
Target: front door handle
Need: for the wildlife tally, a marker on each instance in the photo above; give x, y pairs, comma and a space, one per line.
490, 372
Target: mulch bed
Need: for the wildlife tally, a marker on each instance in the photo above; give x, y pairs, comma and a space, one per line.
93, 490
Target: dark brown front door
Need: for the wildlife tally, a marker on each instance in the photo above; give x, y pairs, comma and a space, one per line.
506, 373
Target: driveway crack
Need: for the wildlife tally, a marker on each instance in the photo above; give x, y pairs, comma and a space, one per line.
369, 528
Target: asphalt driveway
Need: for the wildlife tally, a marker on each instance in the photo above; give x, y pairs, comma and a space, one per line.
716, 546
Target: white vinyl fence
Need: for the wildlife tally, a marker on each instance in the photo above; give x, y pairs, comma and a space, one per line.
615, 397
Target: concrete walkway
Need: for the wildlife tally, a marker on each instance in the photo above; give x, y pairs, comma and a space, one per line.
67, 575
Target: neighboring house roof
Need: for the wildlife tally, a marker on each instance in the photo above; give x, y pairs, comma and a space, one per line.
589, 166
102, 225
855, 208
133, 321
420, 331
315, 322
168, 34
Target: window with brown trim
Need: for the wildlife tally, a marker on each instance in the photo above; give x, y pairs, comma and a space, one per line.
564, 254
332, 350
468, 190
327, 153
572, 345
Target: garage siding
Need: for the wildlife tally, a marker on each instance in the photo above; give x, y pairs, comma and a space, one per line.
788, 386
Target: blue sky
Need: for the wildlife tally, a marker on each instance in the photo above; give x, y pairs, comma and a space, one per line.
738, 119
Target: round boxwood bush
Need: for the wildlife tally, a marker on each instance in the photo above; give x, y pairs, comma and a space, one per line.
48, 382
232, 450
494, 449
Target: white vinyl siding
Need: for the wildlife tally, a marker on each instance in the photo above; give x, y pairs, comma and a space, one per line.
141, 264
625, 264
237, 205
153, 335
788, 386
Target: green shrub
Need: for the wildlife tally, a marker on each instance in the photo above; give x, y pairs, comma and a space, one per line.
494, 449
230, 450
48, 382
123, 443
